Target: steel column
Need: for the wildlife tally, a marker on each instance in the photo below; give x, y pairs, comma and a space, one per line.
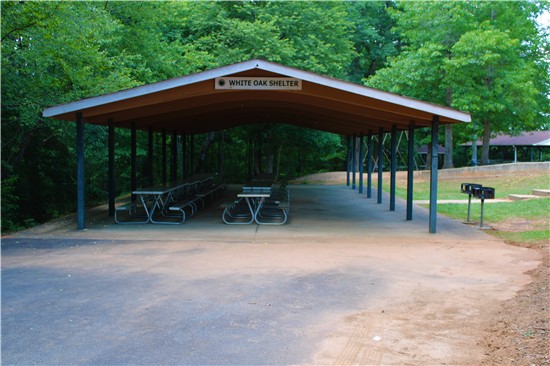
174, 156
369, 165
150, 157
249, 159
192, 155
80, 173
433, 175
133, 159
410, 172
393, 166
221, 156
184, 156
353, 160
348, 153
380, 159
111, 165
361, 158
164, 156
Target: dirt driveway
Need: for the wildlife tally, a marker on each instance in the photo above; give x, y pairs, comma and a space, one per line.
344, 282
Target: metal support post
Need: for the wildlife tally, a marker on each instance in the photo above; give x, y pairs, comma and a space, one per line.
80, 173
433, 175
250, 159
380, 165
184, 157
369, 165
111, 165
393, 166
481, 220
348, 153
361, 165
192, 155
353, 160
174, 156
221, 156
469, 208
133, 159
164, 160
410, 172
150, 157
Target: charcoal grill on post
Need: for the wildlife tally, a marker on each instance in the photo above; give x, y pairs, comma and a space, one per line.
468, 189
477, 191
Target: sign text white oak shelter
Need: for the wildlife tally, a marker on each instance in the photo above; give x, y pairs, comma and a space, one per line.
258, 83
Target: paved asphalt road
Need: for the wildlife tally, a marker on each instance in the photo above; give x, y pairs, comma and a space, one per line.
75, 304
342, 272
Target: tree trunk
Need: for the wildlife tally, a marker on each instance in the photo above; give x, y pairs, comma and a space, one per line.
357, 153
278, 163
269, 163
474, 150
208, 140
15, 158
486, 141
429, 157
257, 158
448, 161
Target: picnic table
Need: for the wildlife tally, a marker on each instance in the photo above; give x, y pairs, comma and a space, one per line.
263, 201
156, 201
255, 194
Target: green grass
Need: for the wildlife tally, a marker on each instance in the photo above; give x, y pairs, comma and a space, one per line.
519, 222
526, 222
536, 210
527, 237
449, 189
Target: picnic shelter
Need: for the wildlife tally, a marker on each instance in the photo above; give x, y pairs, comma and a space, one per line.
258, 91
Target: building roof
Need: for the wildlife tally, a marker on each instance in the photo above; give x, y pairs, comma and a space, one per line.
423, 150
534, 138
197, 103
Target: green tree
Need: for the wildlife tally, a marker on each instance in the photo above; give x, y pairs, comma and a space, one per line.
314, 36
52, 52
496, 71
56, 52
428, 31
441, 62
373, 37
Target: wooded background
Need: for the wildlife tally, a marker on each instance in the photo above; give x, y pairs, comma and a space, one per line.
487, 58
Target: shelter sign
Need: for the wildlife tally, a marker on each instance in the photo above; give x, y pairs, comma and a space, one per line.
258, 83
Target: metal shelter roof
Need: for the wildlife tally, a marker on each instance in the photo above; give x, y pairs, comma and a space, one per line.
534, 138
193, 104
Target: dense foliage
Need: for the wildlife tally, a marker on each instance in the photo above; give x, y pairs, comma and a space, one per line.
486, 58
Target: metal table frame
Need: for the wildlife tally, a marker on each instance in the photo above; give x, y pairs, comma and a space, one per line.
255, 201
